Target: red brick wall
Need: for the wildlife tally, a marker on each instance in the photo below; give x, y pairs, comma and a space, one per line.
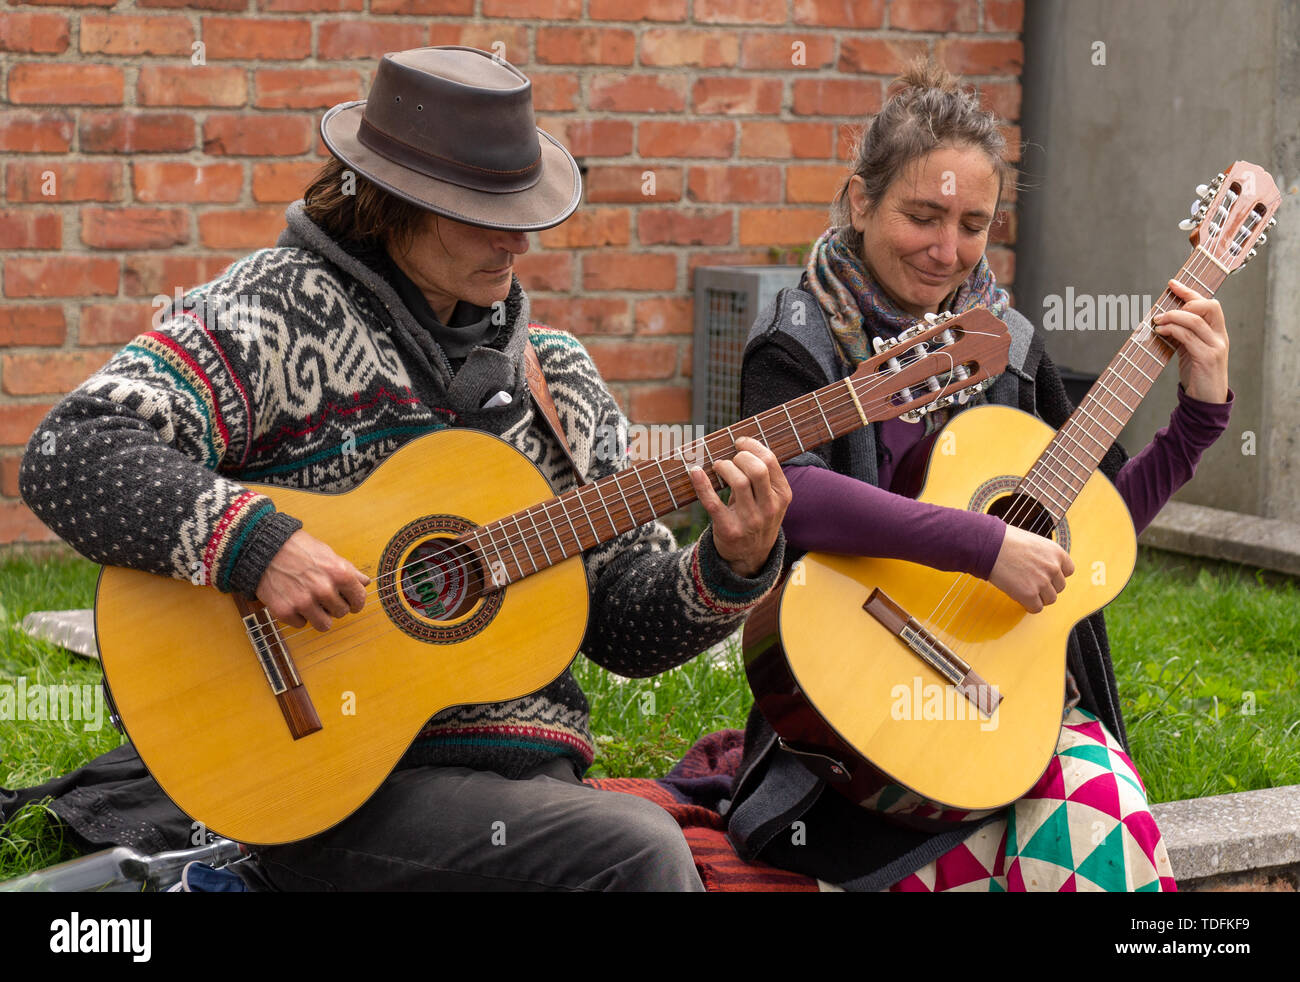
164, 171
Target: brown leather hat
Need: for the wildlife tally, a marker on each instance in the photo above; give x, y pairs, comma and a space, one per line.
451, 129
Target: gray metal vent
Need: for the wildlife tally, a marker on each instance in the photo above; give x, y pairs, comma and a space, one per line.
727, 299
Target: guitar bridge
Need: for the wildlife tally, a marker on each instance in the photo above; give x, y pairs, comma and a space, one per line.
933, 652
277, 664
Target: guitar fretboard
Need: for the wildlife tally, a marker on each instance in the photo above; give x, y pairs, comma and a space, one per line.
1074, 452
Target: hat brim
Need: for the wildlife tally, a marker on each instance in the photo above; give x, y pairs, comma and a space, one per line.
547, 203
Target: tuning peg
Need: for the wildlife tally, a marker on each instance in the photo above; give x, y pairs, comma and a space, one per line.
1262, 239
1187, 224
1272, 223
1203, 191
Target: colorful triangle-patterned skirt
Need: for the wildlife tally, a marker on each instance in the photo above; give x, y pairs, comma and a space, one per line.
1086, 825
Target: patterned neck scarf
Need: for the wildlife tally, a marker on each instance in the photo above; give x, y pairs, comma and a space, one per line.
859, 310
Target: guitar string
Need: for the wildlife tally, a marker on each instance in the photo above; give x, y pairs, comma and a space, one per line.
833, 403
322, 639
966, 586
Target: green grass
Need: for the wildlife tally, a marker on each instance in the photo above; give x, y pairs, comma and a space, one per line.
1205, 655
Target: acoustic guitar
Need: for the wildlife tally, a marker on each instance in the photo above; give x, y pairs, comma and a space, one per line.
268, 734
878, 671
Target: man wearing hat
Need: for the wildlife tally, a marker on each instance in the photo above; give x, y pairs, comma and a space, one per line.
389, 309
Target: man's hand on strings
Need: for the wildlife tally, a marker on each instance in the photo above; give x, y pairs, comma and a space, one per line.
308, 582
1200, 333
745, 529
1030, 569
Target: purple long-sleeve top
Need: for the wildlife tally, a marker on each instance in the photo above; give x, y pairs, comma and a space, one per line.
831, 512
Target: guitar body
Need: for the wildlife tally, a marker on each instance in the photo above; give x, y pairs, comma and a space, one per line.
198, 706
837, 685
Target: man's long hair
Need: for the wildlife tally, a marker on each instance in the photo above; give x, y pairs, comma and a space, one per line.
358, 213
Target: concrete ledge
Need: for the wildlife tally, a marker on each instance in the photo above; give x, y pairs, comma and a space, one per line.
1227, 535
1245, 841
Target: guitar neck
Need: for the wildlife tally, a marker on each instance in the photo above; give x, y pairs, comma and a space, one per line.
528, 541
1072, 456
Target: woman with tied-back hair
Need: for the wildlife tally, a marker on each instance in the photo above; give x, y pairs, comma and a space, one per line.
908, 237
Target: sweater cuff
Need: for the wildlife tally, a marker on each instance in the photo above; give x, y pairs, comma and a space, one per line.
261, 543
719, 586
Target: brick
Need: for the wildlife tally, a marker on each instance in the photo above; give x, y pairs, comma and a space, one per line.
135, 132
123, 34
70, 3
197, 4
630, 360
934, 15
591, 137
37, 34
511, 40
540, 271
1003, 230
25, 131
1001, 98
180, 181
9, 465
55, 372
554, 91
629, 271
658, 10
1003, 263
87, 181
593, 227
628, 184
19, 522
150, 273
964, 57
669, 46
61, 276
665, 315
1004, 15
879, 56
35, 324
191, 85
310, 6
837, 97
814, 183
366, 38
114, 323
747, 257
66, 84
672, 226
737, 96
637, 93
781, 226
261, 135
840, 13
1012, 135
786, 141
737, 184
27, 229
305, 88
674, 139
784, 52
462, 7
739, 11
847, 138
584, 315
283, 181
247, 228
534, 9
18, 421
584, 46
240, 38
659, 404
134, 228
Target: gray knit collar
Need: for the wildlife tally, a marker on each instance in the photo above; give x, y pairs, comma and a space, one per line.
486, 370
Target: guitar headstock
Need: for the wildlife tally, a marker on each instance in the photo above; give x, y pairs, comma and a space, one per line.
933, 364
1230, 216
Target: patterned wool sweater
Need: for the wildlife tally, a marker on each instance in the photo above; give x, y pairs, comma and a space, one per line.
300, 366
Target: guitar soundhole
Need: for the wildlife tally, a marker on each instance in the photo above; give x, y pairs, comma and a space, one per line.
441, 579
1023, 511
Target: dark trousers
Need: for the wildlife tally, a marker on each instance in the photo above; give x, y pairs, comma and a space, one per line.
452, 828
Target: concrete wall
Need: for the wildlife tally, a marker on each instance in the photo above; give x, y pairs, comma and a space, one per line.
1113, 154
